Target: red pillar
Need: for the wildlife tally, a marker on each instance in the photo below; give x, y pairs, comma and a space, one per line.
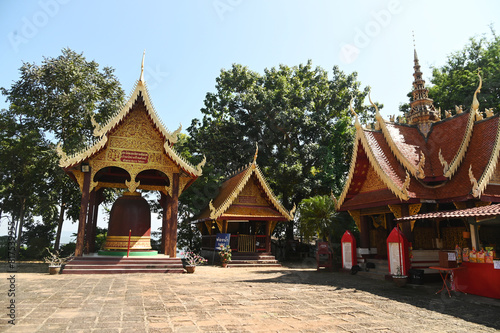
83, 215
172, 223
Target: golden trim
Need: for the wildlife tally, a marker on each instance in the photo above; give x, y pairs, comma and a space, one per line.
443, 162
492, 164
420, 166
414, 170
400, 193
252, 168
460, 155
475, 188
356, 216
460, 205
103, 131
350, 175
396, 210
414, 208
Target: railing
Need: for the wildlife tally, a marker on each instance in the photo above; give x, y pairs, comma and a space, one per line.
246, 243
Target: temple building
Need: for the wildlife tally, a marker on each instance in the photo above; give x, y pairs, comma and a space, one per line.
247, 209
423, 164
133, 151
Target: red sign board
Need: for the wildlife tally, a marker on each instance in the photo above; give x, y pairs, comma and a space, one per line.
130, 156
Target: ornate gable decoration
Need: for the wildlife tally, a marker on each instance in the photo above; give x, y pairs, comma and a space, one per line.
245, 193
134, 137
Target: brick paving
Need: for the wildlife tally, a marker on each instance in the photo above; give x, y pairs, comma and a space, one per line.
215, 299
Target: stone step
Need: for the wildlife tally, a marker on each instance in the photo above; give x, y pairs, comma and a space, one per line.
121, 271
120, 265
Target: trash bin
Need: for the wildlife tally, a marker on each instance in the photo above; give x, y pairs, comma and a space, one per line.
416, 276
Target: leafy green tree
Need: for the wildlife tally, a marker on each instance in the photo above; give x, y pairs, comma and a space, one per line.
456, 81
317, 218
298, 116
61, 96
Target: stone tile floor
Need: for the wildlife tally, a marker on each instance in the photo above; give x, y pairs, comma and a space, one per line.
215, 299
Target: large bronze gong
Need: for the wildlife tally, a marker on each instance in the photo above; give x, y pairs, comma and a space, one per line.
131, 212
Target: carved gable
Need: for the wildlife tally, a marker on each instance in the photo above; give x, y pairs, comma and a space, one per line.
372, 182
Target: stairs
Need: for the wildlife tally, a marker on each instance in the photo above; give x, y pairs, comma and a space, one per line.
121, 265
251, 259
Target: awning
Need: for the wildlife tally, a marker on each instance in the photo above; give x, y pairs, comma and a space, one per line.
482, 211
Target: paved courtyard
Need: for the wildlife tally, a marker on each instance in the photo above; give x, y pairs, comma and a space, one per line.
215, 299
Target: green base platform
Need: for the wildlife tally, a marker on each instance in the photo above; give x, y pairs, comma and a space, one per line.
124, 253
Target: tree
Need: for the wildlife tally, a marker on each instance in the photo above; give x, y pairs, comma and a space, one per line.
297, 115
317, 218
61, 96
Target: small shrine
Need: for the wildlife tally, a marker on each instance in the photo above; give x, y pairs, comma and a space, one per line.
133, 151
421, 163
247, 209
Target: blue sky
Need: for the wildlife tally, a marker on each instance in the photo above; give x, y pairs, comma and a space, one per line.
188, 42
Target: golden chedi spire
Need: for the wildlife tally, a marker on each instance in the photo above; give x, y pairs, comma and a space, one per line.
422, 111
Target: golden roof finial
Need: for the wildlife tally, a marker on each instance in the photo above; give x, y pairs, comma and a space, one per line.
475, 102
256, 152
373, 104
142, 67
356, 123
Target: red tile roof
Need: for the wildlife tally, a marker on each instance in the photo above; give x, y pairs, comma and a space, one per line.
491, 210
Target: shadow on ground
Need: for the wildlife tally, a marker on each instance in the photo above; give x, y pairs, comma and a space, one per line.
471, 308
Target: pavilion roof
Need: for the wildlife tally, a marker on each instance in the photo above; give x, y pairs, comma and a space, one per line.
224, 205
446, 160
140, 92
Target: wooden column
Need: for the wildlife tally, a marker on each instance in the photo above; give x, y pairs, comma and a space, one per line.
165, 204
98, 201
365, 232
83, 215
406, 226
90, 222
172, 228
268, 236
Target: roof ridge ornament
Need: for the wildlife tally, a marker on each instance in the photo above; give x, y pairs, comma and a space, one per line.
475, 186
420, 166
475, 101
443, 162
256, 153
356, 122
141, 78
406, 186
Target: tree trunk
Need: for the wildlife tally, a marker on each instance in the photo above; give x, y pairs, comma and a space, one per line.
20, 230
59, 225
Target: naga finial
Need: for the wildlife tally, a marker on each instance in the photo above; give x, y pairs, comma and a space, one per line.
373, 104
256, 152
475, 102
142, 67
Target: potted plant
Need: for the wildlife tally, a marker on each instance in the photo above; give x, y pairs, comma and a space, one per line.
225, 255
55, 261
399, 279
192, 260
